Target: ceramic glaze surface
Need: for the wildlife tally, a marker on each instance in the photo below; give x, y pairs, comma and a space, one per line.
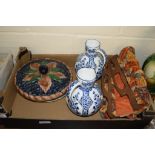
94, 57
84, 97
43, 79
149, 71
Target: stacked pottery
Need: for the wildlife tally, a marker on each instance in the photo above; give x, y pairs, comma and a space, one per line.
84, 97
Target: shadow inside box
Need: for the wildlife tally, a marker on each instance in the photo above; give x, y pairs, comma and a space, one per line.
76, 124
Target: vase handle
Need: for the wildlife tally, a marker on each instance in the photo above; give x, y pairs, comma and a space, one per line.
102, 52
73, 89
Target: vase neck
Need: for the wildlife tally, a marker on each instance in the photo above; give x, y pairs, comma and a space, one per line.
91, 52
87, 86
91, 46
87, 77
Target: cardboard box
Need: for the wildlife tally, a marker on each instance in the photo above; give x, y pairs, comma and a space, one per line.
6, 66
28, 114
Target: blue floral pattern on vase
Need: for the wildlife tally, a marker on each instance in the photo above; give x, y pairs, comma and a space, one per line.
84, 101
93, 58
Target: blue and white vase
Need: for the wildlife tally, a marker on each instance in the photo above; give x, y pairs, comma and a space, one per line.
84, 96
94, 57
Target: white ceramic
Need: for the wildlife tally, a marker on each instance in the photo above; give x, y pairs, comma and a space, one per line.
94, 57
6, 66
84, 96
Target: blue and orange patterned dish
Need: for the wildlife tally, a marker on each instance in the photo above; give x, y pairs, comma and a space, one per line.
43, 80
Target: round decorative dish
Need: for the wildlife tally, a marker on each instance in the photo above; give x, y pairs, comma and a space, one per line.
43, 80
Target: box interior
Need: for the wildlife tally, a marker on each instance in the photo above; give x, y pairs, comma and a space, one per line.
26, 109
